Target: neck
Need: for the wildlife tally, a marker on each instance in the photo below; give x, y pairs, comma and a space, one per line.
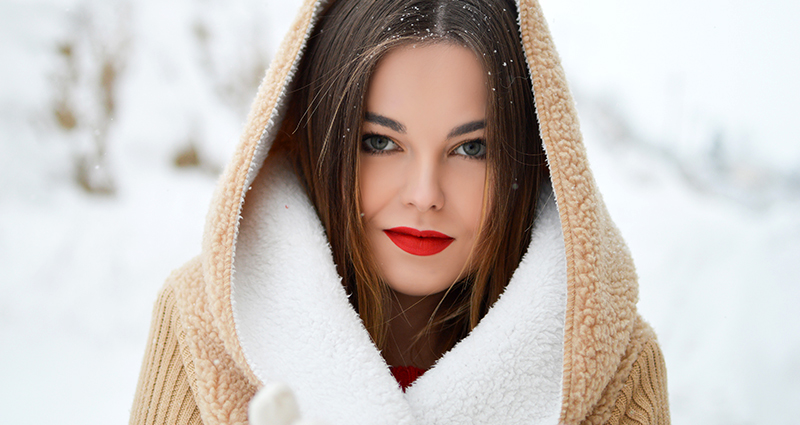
410, 342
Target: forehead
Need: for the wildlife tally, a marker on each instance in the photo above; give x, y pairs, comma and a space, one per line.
440, 82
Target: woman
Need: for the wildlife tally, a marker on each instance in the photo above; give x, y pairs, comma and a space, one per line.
390, 212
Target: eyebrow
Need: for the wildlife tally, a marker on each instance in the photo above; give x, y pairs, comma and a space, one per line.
386, 122
400, 128
467, 128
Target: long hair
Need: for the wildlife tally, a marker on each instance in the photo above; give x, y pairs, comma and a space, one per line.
321, 132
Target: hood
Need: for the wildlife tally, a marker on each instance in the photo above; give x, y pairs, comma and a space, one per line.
263, 244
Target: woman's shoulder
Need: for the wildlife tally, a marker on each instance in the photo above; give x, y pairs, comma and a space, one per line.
186, 358
167, 385
637, 393
190, 274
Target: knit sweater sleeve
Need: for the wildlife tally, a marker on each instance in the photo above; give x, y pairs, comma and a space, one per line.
643, 399
164, 394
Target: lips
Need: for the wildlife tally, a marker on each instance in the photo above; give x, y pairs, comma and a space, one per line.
419, 242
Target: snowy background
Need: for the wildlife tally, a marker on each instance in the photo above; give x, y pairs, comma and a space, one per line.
116, 116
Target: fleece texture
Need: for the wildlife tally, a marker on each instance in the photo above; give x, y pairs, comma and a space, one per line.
294, 321
564, 344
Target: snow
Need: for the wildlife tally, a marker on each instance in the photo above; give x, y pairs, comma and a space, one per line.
717, 251
688, 69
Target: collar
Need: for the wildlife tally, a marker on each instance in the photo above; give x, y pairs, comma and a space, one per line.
295, 325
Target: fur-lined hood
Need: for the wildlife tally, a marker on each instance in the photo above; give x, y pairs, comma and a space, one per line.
264, 302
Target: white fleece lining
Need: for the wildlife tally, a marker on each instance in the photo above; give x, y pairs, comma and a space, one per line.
295, 325
267, 137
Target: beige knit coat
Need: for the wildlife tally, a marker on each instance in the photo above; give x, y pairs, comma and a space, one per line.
198, 368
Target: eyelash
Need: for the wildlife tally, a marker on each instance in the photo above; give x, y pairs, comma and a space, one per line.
481, 156
372, 151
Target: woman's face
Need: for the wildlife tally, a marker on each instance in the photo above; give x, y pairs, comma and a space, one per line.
422, 165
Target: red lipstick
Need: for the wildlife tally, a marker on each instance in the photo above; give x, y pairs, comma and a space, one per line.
418, 242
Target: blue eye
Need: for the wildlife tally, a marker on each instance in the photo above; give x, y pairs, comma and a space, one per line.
378, 144
474, 149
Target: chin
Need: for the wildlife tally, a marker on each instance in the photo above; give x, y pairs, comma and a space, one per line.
414, 286
415, 292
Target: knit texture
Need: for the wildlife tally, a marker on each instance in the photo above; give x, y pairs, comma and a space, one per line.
164, 394
644, 396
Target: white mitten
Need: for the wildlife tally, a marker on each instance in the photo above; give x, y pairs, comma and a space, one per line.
274, 404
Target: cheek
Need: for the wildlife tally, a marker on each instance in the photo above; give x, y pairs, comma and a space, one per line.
375, 183
466, 183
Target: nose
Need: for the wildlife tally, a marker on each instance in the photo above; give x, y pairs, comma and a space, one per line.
423, 187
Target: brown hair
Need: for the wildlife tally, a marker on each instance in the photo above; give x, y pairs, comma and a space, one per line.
322, 133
